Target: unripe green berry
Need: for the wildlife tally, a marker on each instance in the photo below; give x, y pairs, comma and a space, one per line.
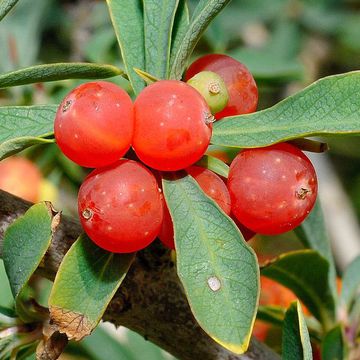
212, 87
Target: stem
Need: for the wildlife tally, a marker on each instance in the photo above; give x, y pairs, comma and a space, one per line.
310, 145
150, 301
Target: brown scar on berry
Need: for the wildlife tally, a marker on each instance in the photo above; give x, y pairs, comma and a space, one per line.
66, 106
73, 324
209, 118
87, 214
302, 193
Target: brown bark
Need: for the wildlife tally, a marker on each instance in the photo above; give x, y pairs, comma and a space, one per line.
150, 301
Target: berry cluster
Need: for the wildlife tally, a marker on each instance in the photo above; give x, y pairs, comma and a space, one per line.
169, 126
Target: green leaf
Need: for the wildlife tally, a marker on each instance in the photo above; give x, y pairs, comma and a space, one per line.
296, 341
6, 6
218, 270
25, 244
58, 71
158, 23
6, 298
13, 146
350, 284
332, 346
271, 314
204, 12
306, 273
329, 106
148, 78
128, 22
101, 345
21, 32
138, 346
226, 154
214, 164
86, 281
312, 233
181, 24
7, 340
26, 121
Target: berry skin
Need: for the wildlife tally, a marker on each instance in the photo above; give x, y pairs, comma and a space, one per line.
212, 87
172, 125
94, 124
212, 185
272, 189
243, 92
246, 232
120, 206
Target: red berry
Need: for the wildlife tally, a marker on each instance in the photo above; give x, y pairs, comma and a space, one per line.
166, 234
172, 129
246, 232
120, 206
212, 185
272, 189
243, 93
94, 124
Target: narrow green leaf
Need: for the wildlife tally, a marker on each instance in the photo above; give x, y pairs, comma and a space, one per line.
306, 273
7, 312
158, 23
296, 340
329, 106
226, 154
58, 71
204, 12
350, 284
128, 22
13, 146
6, 6
218, 270
181, 24
26, 121
312, 233
101, 345
26, 242
6, 298
7, 341
148, 78
271, 314
138, 346
85, 283
214, 164
275, 315
332, 346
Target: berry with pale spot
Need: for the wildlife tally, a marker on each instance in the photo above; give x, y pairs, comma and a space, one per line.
272, 189
120, 206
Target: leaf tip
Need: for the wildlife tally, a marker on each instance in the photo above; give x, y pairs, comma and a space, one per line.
235, 348
73, 324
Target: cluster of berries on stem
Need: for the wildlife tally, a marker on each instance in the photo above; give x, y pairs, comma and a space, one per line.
169, 126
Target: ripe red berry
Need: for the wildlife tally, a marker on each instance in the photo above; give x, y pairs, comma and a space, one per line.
212, 185
94, 124
172, 125
246, 232
241, 86
272, 189
120, 206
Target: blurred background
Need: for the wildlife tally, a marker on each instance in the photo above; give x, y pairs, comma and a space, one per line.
287, 44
